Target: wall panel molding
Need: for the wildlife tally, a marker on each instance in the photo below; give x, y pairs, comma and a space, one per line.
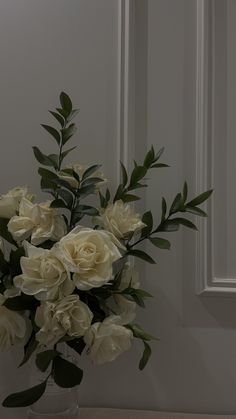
207, 124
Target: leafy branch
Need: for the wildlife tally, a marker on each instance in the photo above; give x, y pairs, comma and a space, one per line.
168, 222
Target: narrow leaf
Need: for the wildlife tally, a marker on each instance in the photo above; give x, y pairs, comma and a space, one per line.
159, 165
185, 223
130, 198
148, 220
26, 397
164, 208
200, 198
146, 355
58, 117
185, 191
124, 174
64, 154
139, 333
141, 255
159, 242
43, 159
90, 171
53, 132
29, 349
169, 225
149, 158
196, 211
138, 173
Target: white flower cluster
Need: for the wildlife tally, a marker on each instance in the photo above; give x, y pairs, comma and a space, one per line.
78, 262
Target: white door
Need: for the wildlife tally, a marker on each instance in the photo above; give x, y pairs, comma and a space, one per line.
131, 67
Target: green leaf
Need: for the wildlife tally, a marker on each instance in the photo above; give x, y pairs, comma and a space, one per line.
44, 359
196, 211
4, 267
164, 208
159, 242
150, 156
29, 349
138, 173
26, 397
43, 159
58, 203
86, 190
63, 113
159, 165
139, 333
91, 181
21, 303
53, 132
66, 196
15, 258
64, 154
159, 154
185, 223
68, 132
176, 204
55, 160
124, 174
141, 255
147, 219
58, 117
66, 103
47, 174
90, 170
76, 176
66, 374
73, 113
4, 233
185, 191
119, 193
169, 225
77, 344
107, 195
63, 183
87, 210
136, 295
200, 198
146, 355
130, 198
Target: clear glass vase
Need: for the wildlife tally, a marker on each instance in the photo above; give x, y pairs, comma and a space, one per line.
56, 402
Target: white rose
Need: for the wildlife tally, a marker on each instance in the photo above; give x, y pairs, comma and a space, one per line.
107, 340
12, 328
89, 254
38, 221
69, 316
43, 275
9, 202
79, 169
120, 219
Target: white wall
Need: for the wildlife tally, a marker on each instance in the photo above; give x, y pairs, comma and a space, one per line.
72, 45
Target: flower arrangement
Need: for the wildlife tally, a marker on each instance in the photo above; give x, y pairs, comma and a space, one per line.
67, 282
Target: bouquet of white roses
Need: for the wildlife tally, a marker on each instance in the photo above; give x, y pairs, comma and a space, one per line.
69, 282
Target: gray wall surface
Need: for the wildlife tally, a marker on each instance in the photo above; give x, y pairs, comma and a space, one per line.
49, 46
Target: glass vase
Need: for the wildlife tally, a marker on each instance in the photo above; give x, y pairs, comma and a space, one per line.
56, 402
